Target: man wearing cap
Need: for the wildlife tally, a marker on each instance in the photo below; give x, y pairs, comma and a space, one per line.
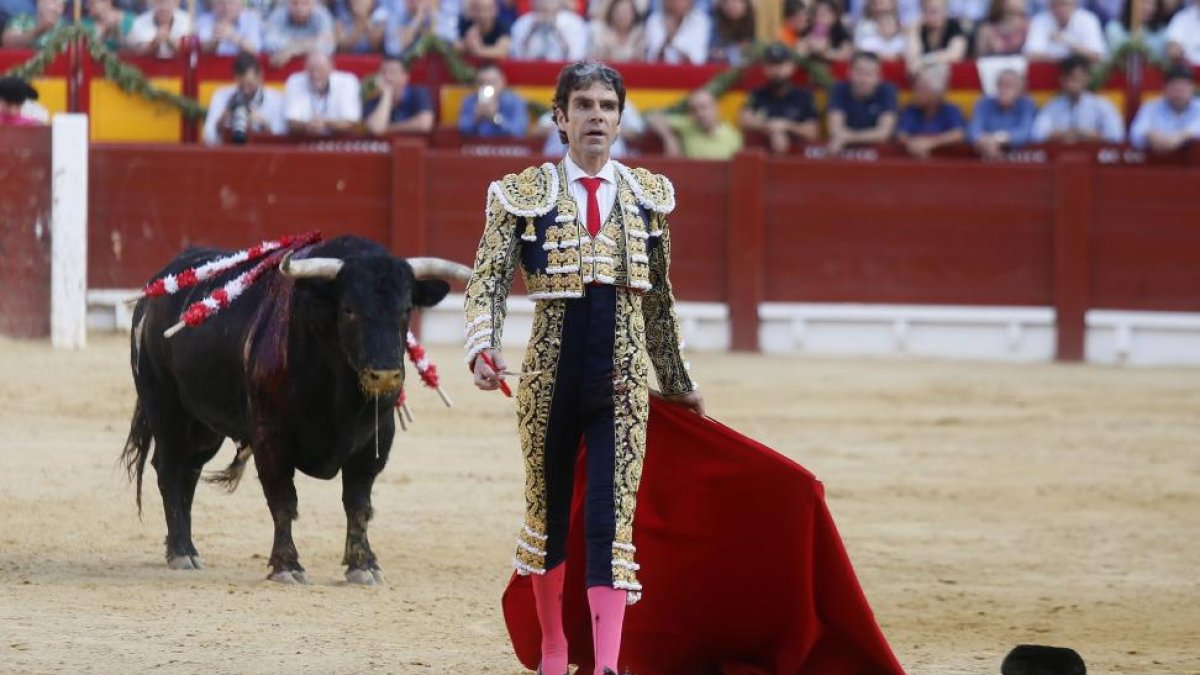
1167, 123
591, 238
780, 109
14, 92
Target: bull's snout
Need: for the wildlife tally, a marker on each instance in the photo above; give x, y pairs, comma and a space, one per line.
380, 382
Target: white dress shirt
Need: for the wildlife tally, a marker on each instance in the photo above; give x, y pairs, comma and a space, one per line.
1083, 29
606, 195
144, 29
341, 102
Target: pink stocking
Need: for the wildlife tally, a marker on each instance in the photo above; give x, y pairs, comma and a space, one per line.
548, 596
608, 615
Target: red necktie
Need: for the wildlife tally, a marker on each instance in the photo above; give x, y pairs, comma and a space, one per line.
593, 206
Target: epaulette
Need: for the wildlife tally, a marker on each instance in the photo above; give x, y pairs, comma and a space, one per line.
652, 190
533, 192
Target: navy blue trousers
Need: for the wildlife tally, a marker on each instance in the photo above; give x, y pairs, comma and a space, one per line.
583, 408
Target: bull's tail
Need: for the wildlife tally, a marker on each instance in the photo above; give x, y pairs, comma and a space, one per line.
229, 478
137, 449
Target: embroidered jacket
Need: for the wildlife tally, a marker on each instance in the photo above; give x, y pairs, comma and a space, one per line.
533, 222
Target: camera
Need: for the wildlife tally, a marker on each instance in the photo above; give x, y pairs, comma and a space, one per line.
239, 119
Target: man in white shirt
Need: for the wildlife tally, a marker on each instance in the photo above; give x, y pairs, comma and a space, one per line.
320, 101
1168, 123
1077, 115
678, 34
549, 33
1063, 30
1183, 35
244, 107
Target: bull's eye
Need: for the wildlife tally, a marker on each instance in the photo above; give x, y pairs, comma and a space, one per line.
349, 313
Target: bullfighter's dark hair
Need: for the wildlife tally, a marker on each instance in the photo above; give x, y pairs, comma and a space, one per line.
581, 75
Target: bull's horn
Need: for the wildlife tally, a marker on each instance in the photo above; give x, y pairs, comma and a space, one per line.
310, 268
439, 268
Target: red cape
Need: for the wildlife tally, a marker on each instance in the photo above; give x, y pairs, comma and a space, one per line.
743, 568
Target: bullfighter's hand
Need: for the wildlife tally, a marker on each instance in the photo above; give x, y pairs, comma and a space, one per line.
486, 378
692, 400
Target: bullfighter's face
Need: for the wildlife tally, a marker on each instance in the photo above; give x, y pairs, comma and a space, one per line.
591, 122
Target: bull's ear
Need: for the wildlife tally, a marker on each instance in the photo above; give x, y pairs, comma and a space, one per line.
429, 292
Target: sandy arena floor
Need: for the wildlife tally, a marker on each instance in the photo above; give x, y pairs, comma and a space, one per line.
983, 505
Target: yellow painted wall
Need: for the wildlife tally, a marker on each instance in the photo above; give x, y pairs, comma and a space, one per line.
117, 116
52, 93
206, 89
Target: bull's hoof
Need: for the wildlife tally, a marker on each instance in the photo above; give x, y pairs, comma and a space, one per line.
365, 577
185, 562
289, 577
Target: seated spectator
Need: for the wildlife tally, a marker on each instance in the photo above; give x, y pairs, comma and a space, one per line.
299, 27
409, 20
733, 32
1183, 36
815, 30
1152, 21
11, 9
930, 122
483, 33
26, 31
245, 106
1004, 121
14, 92
1077, 114
699, 134
679, 33
359, 30
320, 101
160, 30
908, 11
1168, 123
230, 29
108, 23
1003, 34
493, 111
780, 109
880, 32
633, 125
862, 111
1063, 30
400, 107
620, 34
549, 32
936, 39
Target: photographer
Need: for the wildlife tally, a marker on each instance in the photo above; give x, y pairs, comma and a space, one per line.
549, 33
493, 111
244, 107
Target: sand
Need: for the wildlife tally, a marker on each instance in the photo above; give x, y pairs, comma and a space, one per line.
983, 506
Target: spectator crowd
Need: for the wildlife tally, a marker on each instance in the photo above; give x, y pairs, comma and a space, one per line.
928, 36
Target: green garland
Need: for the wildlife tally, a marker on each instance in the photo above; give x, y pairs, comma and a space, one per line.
128, 78
1118, 60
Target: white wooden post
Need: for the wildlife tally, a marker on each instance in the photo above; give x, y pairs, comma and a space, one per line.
68, 234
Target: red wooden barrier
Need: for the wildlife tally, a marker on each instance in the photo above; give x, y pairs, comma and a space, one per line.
24, 232
1073, 234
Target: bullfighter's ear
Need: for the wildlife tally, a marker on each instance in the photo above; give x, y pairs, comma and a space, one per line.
429, 292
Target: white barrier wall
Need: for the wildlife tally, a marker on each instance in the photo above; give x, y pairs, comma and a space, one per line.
1012, 334
68, 231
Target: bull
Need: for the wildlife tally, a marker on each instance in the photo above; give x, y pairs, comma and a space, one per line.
302, 373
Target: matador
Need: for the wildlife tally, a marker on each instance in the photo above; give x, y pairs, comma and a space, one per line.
591, 238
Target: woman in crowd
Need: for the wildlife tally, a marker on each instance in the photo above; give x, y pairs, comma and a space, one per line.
732, 33
1003, 34
815, 29
936, 38
1152, 18
619, 35
108, 23
879, 32
360, 26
